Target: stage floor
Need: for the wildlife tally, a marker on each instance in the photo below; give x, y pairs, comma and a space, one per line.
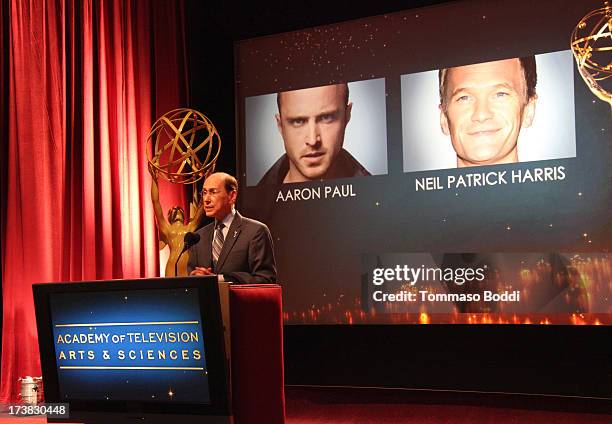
307, 404
342, 405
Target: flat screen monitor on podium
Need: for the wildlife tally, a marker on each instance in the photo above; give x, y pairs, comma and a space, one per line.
134, 350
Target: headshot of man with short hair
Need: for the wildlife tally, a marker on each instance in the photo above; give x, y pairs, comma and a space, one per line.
312, 123
484, 106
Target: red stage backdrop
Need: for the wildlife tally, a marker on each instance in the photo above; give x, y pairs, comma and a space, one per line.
85, 81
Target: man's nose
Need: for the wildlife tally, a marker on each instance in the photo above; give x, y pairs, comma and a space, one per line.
314, 135
482, 110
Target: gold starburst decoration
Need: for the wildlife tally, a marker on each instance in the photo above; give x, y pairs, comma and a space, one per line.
592, 47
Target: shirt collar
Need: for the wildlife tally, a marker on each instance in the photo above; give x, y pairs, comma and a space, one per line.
229, 218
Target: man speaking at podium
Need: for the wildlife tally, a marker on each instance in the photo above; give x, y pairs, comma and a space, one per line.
233, 247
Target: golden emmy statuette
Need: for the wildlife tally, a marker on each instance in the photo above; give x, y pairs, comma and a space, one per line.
182, 147
592, 47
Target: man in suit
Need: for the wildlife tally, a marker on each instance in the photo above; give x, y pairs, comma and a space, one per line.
233, 247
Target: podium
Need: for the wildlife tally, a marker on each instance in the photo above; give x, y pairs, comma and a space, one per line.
155, 350
257, 369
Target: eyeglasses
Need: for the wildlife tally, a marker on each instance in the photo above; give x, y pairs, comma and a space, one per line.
213, 192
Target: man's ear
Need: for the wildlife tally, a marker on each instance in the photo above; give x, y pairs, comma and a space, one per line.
349, 108
529, 112
443, 121
279, 123
233, 195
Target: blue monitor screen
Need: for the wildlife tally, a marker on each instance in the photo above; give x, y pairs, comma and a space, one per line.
130, 345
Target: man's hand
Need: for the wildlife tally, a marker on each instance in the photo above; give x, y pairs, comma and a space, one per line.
202, 271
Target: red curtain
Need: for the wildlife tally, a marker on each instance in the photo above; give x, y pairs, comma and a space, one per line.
85, 80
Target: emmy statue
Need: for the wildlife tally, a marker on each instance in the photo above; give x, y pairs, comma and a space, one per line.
591, 44
182, 147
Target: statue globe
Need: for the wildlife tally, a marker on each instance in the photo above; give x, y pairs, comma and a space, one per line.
592, 47
183, 146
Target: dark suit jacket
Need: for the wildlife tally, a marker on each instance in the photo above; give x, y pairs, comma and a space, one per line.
247, 255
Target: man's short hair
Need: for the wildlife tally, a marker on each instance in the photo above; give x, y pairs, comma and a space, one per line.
229, 181
528, 65
343, 84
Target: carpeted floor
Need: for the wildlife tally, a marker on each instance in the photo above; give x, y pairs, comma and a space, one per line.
329, 405
315, 405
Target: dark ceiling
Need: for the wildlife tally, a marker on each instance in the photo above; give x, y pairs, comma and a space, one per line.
237, 20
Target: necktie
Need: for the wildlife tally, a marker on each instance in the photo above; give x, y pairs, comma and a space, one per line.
217, 243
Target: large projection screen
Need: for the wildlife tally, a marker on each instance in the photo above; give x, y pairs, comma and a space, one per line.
440, 166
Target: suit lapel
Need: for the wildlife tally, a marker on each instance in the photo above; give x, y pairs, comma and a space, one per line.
228, 244
208, 244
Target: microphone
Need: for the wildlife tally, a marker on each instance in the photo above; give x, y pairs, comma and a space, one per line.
189, 240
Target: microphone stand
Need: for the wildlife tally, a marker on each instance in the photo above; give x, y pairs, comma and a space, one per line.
176, 264
189, 240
